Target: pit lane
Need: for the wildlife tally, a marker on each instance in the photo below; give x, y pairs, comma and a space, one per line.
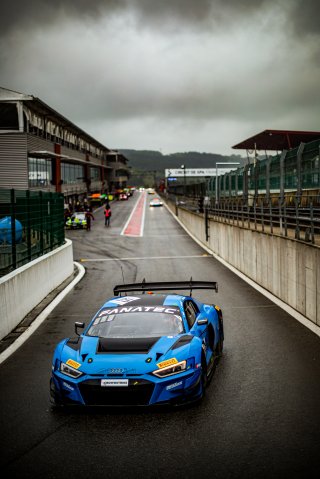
260, 416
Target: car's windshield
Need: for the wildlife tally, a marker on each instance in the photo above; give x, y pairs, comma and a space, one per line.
142, 322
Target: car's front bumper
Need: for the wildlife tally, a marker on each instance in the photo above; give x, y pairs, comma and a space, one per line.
143, 390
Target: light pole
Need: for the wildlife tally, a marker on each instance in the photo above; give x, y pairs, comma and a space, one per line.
217, 188
183, 167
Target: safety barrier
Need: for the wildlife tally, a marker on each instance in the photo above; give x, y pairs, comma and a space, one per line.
287, 268
31, 225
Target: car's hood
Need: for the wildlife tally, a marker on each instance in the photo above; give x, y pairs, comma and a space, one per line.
115, 356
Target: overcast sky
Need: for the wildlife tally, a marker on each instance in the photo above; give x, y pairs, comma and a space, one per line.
169, 75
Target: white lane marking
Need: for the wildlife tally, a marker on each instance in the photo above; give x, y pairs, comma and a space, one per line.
42, 316
87, 260
295, 314
143, 215
142, 221
131, 215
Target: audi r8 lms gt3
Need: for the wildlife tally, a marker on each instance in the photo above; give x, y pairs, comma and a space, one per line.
141, 349
155, 202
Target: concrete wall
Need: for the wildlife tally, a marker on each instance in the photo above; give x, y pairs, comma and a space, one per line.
287, 268
24, 288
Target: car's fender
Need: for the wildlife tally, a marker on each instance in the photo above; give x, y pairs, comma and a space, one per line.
59, 350
195, 349
214, 322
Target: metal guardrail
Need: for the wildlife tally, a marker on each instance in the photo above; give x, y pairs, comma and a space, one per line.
31, 225
301, 223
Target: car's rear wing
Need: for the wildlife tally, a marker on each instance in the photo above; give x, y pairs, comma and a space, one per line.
165, 286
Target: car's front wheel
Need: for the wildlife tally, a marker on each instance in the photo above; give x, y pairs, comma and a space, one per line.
204, 376
219, 349
55, 399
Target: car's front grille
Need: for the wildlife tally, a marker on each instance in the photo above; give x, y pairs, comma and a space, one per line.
137, 393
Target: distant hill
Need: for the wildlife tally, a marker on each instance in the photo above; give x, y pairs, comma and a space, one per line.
148, 166
150, 160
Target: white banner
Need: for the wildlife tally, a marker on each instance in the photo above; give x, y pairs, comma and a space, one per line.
180, 172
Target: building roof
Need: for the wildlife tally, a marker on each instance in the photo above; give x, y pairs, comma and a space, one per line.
277, 140
43, 109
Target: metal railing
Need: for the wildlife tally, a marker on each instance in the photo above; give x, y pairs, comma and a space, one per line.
301, 223
31, 225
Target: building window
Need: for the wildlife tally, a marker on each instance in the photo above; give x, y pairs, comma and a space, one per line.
39, 170
94, 173
71, 173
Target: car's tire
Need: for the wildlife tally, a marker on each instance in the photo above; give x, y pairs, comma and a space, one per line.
211, 337
55, 400
212, 370
204, 377
219, 348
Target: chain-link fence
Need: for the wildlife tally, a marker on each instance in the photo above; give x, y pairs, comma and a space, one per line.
31, 225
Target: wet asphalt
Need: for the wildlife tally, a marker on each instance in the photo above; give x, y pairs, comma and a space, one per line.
260, 417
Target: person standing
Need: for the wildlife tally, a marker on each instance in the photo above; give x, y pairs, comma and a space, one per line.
89, 215
107, 215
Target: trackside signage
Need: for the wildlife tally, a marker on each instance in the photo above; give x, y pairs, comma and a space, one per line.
180, 172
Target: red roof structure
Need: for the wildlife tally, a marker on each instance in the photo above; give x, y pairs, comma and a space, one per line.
277, 140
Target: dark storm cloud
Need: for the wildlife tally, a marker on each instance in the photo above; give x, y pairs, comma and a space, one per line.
135, 69
25, 14
305, 16
302, 15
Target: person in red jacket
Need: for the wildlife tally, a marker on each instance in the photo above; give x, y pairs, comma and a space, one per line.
107, 215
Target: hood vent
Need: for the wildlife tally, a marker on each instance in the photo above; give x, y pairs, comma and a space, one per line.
125, 345
182, 341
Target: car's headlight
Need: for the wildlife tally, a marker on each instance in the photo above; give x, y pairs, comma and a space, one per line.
70, 371
170, 370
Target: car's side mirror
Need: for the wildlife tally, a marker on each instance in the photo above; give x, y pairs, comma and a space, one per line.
202, 322
78, 325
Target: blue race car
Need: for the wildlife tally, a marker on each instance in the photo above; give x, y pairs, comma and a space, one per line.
141, 349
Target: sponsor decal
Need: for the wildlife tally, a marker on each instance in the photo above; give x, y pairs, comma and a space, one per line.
73, 364
67, 386
114, 382
124, 300
173, 385
168, 362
